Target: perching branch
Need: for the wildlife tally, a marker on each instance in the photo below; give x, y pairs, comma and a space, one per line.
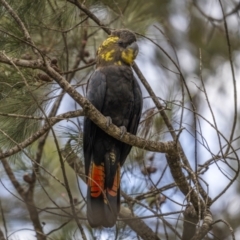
101, 121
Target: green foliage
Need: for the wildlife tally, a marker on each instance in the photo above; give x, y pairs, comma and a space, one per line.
19, 101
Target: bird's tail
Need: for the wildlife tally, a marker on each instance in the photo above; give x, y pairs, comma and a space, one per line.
103, 195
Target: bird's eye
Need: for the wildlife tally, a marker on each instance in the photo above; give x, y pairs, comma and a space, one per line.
121, 44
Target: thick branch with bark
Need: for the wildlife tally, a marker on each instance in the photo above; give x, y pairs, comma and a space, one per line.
190, 222
34, 64
205, 228
2, 235
181, 181
101, 121
137, 225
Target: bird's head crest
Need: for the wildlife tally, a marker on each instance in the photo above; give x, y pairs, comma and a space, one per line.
120, 48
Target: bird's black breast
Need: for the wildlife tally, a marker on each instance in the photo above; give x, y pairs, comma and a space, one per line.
114, 91
119, 96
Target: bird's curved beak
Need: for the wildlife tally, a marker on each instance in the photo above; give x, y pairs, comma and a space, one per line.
134, 47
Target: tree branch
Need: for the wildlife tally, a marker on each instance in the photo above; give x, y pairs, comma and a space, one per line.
21, 24
40, 132
101, 121
181, 181
90, 14
28, 199
2, 235
190, 222
34, 64
206, 226
137, 224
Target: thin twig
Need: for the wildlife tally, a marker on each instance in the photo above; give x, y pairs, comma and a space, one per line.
40, 132
29, 202
233, 78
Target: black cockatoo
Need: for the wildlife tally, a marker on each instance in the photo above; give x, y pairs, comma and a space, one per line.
114, 91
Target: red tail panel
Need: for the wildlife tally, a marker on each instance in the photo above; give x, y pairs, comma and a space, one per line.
114, 190
96, 179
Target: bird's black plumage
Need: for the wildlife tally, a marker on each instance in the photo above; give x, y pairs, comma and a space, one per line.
114, 91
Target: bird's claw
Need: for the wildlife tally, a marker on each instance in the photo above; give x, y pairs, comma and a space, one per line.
123, 131
109, 121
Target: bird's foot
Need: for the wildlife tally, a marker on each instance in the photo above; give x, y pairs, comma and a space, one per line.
109, 121
123, 131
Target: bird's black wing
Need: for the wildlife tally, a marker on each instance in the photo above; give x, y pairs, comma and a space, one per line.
95, 94
134, 119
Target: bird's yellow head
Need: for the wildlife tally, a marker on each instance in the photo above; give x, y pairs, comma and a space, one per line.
120, 48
